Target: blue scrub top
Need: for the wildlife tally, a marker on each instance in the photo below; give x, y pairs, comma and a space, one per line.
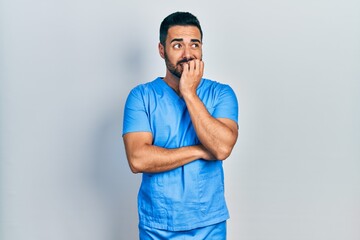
192, 195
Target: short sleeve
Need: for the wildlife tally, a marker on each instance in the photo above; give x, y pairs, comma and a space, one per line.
135, 115
227, 104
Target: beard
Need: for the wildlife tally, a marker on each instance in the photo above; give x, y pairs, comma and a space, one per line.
177, 69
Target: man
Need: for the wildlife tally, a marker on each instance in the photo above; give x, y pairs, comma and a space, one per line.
177, 130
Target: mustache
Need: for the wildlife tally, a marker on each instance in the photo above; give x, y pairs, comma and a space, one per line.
185, 60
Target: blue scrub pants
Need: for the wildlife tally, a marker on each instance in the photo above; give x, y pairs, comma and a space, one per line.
212, 232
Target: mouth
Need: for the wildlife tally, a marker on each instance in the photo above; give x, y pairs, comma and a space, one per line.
182, 61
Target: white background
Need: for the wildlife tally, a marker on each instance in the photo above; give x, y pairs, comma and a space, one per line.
67, 66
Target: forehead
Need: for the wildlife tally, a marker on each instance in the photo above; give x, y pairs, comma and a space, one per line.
184, 32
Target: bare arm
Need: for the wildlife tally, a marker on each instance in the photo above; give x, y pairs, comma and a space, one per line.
145, 157
217, 135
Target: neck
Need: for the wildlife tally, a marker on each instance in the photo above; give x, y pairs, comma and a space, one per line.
173, 81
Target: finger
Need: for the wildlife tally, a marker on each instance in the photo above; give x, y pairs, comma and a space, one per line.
201, 67
197, 65
191, 65
185, 67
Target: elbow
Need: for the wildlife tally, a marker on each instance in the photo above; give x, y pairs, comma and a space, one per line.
223, 153
222, 156
134, 170
225, 149
134, 165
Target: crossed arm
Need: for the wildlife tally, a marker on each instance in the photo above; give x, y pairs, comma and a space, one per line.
145, 157
217, 135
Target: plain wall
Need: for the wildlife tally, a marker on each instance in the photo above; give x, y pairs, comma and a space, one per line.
66, 68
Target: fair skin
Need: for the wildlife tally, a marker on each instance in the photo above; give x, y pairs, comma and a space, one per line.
217, 135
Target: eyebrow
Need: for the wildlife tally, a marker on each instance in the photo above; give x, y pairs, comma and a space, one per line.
181, 39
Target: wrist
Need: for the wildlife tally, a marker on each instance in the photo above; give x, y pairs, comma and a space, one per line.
188, 95
198, 151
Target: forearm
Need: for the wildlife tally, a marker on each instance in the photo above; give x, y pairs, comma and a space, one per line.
150, 158
215, 135
218, 136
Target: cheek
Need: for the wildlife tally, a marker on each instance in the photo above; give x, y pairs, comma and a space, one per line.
198, 54
174, 58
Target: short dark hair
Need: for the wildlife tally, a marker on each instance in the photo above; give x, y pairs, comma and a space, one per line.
178, 19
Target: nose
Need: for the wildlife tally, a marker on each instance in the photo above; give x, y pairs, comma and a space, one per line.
187, 52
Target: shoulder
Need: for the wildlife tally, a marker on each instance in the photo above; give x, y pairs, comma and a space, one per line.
145, 86
212, 85
145, 89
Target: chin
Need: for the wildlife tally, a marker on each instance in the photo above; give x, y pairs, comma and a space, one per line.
177, 75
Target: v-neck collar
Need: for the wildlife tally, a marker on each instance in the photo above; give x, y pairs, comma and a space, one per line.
171, 91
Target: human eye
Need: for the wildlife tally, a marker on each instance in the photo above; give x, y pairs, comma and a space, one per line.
177, 46
195, 45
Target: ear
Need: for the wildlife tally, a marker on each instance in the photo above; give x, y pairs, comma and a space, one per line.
161, 50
